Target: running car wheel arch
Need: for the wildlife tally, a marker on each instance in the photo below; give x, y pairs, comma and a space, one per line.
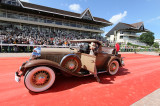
39, 79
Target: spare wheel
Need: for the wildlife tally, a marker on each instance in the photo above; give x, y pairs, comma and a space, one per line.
71, 63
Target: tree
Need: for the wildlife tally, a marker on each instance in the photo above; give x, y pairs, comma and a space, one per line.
156, 45
147, 38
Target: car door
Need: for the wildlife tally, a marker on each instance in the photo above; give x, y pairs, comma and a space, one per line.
88, 62
101, 59
103, 56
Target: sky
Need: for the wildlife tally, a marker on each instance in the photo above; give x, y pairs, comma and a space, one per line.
126, 11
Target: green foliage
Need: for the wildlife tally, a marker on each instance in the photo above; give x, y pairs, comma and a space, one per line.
147, 38
156, 45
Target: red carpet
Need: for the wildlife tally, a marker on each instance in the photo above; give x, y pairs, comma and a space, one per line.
138, 78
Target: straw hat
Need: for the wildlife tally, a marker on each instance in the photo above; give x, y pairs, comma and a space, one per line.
92, 45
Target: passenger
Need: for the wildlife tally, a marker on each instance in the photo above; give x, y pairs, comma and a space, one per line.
92, 48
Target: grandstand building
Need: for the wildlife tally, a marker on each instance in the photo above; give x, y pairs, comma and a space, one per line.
16, 16
126, 33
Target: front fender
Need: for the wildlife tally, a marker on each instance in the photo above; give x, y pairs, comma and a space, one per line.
43, 62
38, 62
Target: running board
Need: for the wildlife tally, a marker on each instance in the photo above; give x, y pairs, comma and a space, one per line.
97, 73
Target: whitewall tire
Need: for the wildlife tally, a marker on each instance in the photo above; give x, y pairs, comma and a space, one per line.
113, 67
39, 79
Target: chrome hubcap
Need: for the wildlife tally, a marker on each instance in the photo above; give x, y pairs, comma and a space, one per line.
113, 67
40, 78
71, 65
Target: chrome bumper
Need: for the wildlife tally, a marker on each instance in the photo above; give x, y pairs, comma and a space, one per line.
19, 73
122, 61
17, 77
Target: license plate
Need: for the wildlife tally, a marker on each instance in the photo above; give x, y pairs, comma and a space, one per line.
17, 78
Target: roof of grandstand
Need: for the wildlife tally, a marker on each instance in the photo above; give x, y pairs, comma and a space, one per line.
34, 8
135, 27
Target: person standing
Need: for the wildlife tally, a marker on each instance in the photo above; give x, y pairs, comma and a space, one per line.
31, 42
117, 47
92, 48
65, 43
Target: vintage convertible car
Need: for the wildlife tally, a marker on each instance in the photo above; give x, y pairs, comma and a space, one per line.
46, 63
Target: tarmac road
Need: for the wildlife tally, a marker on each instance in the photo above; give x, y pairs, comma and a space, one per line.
138, 78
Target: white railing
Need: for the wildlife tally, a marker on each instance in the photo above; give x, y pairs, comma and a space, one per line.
123, 49
28, 47
131, 35
138, 43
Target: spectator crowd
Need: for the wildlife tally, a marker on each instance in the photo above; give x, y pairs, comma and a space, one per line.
33, 36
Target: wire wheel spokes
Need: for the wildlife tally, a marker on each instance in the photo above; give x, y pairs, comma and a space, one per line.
40, 78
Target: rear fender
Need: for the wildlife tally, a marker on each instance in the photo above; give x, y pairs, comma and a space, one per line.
114, 58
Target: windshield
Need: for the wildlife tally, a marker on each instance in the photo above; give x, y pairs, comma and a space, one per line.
82, 47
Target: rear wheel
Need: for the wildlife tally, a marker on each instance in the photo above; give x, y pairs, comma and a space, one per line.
113, 67
39, 79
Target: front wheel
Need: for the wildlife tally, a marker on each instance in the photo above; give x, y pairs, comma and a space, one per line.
113, 67
39, 79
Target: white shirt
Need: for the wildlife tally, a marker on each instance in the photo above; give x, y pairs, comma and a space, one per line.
91, 52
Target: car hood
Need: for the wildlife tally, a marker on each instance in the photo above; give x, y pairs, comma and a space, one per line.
57, 51
56, 54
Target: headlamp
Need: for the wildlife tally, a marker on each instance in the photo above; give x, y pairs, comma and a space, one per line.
36, 53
